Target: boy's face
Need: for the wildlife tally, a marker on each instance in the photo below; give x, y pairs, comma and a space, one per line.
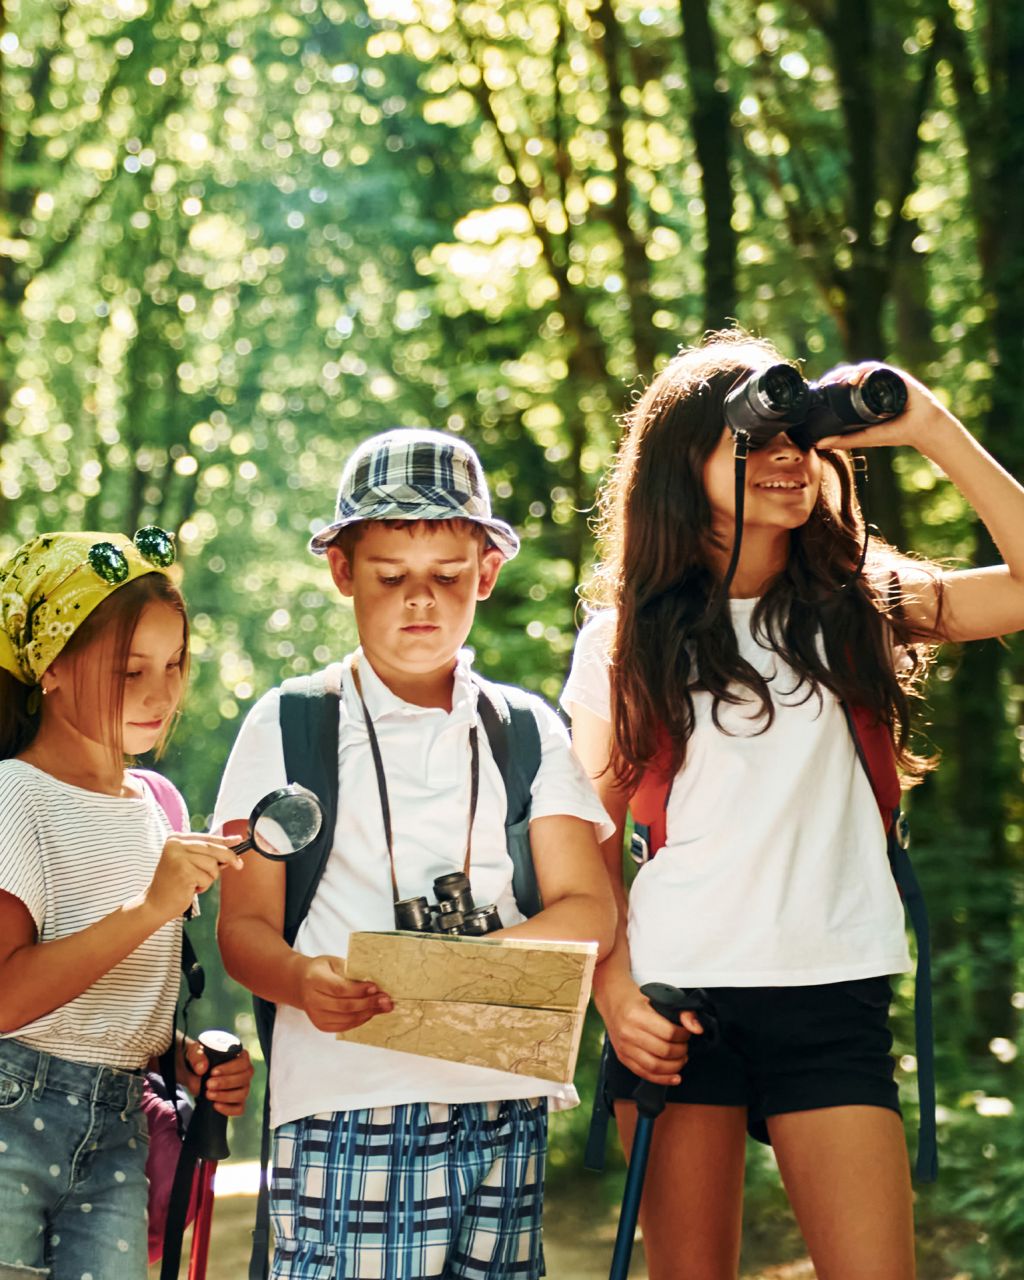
414, 592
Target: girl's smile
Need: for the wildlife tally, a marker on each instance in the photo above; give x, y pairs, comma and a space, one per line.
782, 485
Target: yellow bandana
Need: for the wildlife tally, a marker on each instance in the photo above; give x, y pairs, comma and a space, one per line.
51, 585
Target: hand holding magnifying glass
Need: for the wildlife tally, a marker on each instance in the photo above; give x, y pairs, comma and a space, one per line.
283, 824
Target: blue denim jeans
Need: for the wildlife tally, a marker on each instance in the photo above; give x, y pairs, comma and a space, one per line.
73, 1144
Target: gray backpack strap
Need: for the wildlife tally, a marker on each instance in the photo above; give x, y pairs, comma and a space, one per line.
511, 727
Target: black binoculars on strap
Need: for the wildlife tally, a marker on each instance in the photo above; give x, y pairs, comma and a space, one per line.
848, 399
454, 912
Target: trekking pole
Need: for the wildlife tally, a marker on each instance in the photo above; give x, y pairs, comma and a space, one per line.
670, 1002
203, 1221
205, 1143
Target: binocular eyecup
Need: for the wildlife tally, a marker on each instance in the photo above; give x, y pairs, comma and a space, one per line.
849, 399
454, 911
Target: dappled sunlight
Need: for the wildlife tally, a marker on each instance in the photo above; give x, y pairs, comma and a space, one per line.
237, 237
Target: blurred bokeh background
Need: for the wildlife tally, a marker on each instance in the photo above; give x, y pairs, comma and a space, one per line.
238, 235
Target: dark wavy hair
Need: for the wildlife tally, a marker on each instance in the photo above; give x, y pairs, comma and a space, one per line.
673, 633
107, 632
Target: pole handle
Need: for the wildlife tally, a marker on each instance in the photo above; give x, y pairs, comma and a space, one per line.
670, 1002
211, 1128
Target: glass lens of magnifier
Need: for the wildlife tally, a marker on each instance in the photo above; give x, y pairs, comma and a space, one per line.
288, 825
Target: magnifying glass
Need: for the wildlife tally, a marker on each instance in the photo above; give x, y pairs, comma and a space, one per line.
284, 823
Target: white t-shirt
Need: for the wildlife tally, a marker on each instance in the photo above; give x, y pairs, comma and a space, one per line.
775, 870
426, 756
72, 857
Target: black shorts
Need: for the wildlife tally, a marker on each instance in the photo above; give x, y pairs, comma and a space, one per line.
786, 1049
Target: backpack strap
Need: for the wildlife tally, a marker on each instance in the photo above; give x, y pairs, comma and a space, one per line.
308, 717
873, 744
648, 804
167, 796
171, 801
510, 724
600, 1114
309, 735
259, 1258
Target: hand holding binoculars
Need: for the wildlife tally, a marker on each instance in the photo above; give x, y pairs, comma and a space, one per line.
849, 398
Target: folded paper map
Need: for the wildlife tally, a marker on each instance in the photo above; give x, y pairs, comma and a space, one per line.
513, 1004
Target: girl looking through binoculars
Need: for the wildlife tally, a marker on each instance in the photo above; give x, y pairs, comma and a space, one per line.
724, 655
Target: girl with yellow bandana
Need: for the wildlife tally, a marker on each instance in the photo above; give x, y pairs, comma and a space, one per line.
93, 886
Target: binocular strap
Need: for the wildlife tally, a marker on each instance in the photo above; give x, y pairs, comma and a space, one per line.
741, 449
382, 784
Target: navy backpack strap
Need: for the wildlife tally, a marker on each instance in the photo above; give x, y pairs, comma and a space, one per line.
511, 728
309, 735
926, 1167
510, 724
600, 1115
259, 1258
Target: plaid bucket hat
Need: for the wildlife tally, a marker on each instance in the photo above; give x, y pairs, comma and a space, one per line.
410, 474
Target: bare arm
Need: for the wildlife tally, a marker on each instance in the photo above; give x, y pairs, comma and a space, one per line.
38, 977
250, 931
976, 603
644, 1041
578, 901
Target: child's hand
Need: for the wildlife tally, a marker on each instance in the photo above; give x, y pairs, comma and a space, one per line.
645, 1042
228, 1086
333, 1002
917, 426
188, 865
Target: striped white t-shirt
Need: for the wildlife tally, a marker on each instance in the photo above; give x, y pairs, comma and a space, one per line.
72, 857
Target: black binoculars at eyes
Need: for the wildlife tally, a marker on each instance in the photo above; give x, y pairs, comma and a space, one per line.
778, 399
454, 911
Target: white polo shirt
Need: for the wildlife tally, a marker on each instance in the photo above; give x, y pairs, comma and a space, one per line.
426, 756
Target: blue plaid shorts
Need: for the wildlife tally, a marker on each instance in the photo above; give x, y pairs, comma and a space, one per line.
415, 1192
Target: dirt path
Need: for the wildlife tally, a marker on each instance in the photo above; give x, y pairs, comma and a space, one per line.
578, 1243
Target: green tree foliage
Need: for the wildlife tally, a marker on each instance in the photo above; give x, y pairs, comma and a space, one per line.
235, 237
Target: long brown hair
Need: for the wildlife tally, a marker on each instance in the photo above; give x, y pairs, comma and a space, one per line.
99, 652
673, 633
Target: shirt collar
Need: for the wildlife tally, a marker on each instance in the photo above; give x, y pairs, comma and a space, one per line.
380, 701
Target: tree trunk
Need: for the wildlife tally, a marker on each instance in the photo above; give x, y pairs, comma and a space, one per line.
635, 266
711, 125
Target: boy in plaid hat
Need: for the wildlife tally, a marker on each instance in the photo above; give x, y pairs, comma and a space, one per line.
389, 1165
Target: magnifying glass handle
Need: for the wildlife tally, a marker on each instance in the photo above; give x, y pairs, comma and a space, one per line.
244, 847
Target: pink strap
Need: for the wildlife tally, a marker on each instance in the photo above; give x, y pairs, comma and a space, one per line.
167, 796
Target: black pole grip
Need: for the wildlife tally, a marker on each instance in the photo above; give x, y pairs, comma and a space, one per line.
208, 1129
670, 1002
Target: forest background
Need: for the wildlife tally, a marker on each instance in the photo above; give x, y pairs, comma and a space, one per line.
238, 235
